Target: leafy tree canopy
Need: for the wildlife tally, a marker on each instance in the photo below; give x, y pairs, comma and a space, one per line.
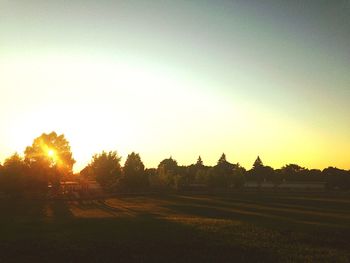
168, 165
14, 162
105, 168
292, 169
48, 151
13, 174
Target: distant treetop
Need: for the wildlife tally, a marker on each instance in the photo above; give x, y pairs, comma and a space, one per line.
258, 163
222, 159
199, 161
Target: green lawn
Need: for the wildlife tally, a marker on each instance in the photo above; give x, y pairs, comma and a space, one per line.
239, 227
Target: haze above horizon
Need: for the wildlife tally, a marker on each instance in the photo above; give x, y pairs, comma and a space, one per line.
179, 78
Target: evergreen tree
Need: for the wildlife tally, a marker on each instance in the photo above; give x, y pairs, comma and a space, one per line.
199, 162
258, 163
222, 159
258, 171
134, 176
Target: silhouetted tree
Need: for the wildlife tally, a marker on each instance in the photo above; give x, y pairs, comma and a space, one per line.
258, 163
168, 171
106, 169
257, 167
258, 171
222, 159
49, 158
238, 176
134, 176
315, 173
261, 173
267, 172
199, 162
192, 172
154, 180
222, 174
202, 176
169, 165
292, 169
293, 172
13, 176
337, 178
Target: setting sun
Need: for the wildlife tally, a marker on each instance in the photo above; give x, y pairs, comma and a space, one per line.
51, 153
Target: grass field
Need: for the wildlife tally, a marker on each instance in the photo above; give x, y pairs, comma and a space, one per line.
237, 227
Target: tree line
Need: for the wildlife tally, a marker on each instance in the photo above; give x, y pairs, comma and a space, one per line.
105, 168
48, 162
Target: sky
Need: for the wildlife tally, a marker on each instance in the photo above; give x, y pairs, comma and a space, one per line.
179, 78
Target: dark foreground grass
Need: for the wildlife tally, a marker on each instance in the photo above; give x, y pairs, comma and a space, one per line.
239, 227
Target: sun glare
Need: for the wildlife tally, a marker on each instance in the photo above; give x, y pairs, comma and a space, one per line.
51, 153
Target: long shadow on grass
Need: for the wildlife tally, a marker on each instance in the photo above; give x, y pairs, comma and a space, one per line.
262, 216
143, 238
227, 207
98, 205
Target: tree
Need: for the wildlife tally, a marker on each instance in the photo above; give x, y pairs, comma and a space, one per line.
337, 178
221, 175
201, 176
153, 178
12, 179
168, 171
315, 174
50, 157
258, 163
238, 173
199, 162
106, 169
259, 171
134, 176
168, 165
193, 172
293, 171
222, 159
